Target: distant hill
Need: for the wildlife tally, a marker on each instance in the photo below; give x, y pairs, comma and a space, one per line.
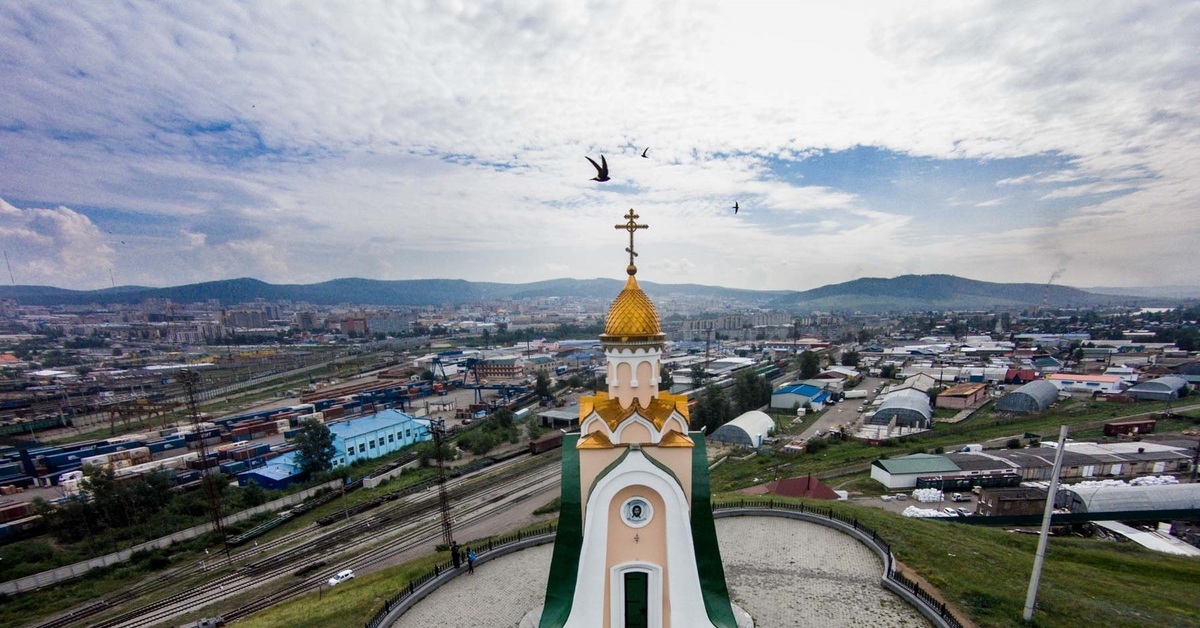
414, 292
904, 293
937, 292
1154, 292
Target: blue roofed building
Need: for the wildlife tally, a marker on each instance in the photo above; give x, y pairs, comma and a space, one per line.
359, 439
797, 395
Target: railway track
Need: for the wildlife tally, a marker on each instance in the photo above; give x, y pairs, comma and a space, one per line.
295, 550
391, 537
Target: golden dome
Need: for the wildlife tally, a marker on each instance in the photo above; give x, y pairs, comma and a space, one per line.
632, 316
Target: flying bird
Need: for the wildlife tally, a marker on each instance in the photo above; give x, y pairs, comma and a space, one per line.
735, 208
601, 168
645, 151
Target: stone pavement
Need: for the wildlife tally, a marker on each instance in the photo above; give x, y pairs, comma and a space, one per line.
786, 573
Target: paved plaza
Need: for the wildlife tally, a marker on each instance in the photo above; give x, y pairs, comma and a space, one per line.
786, 573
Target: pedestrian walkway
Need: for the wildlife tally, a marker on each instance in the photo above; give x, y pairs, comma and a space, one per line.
785, 573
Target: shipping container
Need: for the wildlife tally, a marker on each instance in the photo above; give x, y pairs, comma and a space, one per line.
187, 477
233, 468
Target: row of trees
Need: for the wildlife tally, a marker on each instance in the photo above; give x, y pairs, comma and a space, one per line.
750, 391
134, 508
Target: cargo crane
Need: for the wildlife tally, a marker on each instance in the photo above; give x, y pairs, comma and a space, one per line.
507, 390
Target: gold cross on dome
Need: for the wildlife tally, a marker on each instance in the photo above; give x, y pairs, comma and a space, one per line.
631, 226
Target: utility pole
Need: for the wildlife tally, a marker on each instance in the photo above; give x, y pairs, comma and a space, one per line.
1035, 578
190, 380
707, 340
438, 430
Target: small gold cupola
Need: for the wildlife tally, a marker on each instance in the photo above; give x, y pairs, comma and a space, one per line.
632, 338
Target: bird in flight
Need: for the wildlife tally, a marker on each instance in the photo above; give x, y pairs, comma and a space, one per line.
735, 208
646, 151
601, 168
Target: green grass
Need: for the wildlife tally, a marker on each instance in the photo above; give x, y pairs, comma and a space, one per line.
355, 603
350, 604
984, 573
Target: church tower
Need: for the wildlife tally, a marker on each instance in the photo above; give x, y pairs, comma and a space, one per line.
636, 544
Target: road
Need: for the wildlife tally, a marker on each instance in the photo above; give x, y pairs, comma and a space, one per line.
844, 413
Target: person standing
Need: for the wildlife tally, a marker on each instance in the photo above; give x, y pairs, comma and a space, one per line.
470, 561
455, 557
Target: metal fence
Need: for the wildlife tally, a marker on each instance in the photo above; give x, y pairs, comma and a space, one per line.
893, 579
414, 586
900, 584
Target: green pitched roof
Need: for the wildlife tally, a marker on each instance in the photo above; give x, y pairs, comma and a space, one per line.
917, 463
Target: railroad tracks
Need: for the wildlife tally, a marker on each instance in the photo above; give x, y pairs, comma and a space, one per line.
409, 522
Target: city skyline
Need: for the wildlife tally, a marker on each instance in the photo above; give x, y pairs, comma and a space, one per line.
1005, 142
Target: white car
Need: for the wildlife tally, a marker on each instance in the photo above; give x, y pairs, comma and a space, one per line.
950, 511
341, 576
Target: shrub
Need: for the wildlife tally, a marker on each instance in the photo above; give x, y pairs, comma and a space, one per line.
1013, 443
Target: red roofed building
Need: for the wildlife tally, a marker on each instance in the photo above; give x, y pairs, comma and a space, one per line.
807, 486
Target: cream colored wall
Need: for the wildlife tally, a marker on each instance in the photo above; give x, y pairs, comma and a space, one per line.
635, 433
679, 461
646, 390
651, 546
622, 391
591, 463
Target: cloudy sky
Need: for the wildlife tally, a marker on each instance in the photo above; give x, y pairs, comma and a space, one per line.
173, 142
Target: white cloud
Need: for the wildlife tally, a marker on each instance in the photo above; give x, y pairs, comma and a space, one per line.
309, 141
53, 246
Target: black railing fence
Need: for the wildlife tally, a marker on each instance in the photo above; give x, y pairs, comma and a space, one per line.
481, 549
892, 573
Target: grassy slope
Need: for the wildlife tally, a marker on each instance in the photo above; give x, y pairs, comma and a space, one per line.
982, 572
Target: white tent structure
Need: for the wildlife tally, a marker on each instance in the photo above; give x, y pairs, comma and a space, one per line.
747, 430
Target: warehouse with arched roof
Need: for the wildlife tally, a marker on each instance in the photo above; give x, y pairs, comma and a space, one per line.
908, 407
1095, 498
1161, 389
1032, 398
747, 430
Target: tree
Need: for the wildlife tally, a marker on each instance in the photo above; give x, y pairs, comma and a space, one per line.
665, 381
850, 358
487, 339
810, 364
933, 392
713, 410
698, 375
887, 371
503, 417
314, 447
542, 387
750, 391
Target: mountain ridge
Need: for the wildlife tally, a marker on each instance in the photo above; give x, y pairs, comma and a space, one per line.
867, 294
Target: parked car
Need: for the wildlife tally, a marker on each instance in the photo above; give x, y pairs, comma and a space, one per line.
341, 576
950, 511
964, 512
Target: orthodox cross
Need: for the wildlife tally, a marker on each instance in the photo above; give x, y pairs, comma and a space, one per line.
631, 226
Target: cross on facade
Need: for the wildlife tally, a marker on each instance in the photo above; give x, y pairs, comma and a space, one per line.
631, 226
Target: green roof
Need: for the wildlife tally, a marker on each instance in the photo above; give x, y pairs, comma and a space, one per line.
917, 463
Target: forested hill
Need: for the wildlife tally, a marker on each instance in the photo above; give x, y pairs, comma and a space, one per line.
904, 293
